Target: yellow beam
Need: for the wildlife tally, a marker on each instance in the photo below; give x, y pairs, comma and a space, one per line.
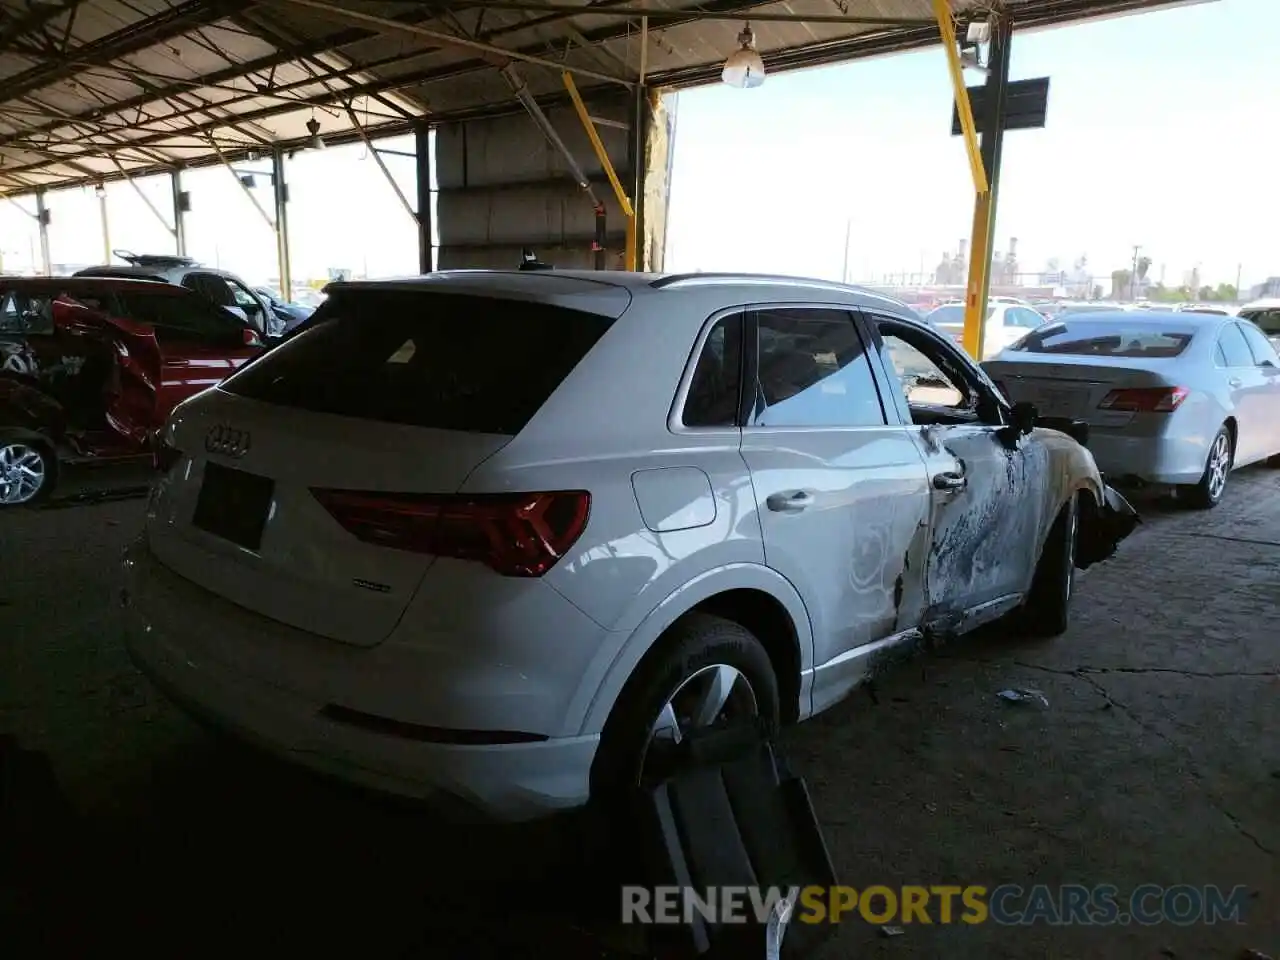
607, 165
942, 12
975, 308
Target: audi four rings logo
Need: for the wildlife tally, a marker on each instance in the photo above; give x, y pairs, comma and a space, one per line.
227, 441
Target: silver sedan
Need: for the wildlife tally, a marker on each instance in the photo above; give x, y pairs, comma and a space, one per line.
1171, 399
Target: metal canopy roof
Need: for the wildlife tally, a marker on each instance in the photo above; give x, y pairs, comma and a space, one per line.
94, 90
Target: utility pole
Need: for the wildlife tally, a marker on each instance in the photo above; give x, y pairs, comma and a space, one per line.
844, 264
1133, 276
1239, 271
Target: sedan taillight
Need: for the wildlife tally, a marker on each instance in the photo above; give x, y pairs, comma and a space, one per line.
1144, 399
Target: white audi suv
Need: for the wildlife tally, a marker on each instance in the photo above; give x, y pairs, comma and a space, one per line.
501, 538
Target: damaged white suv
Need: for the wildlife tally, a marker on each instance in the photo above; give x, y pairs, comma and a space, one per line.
499, 536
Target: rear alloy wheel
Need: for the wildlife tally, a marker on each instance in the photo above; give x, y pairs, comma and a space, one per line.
25, 473
706, 672
1209, 491
1047, 611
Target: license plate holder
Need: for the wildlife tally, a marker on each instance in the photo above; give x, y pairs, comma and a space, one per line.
1058, 402
234, 505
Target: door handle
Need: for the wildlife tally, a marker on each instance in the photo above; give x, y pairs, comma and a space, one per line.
949, 481
1235, 381
791, 502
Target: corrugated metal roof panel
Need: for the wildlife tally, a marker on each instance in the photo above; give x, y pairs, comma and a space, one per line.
87, 84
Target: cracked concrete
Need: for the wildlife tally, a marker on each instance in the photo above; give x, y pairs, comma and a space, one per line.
1157, 761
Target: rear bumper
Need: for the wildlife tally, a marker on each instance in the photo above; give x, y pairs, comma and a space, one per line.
1154, 460
197, 659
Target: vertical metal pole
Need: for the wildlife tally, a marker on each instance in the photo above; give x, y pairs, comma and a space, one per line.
422, 149
281, 192
602, 261
42, 218
106, 225
179, 215
984, 212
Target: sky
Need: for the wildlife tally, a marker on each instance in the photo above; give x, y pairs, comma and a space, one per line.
1159, 134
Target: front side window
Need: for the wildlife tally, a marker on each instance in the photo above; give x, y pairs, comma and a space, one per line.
923, 381
813, 371
714, 393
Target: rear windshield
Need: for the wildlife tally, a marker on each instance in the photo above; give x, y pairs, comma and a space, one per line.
1105, 338
425, 359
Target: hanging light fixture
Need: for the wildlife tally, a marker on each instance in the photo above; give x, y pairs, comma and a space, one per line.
313, 129
744, 68
99, 191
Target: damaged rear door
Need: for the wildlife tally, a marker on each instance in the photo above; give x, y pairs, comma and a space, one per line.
987, 489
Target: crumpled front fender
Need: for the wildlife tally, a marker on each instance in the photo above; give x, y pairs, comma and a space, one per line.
1102, 528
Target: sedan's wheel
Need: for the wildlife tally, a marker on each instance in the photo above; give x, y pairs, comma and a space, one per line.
705, 672
1213, 483
25, 473
1047, 611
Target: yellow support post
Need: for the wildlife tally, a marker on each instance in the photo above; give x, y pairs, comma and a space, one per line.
607, 165
979, 265
942, 12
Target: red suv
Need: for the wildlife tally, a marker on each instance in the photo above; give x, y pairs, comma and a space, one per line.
90, 368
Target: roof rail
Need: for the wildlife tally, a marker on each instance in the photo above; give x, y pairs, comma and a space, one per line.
692, 279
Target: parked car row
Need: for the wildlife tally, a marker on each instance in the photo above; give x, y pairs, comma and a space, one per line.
91, 366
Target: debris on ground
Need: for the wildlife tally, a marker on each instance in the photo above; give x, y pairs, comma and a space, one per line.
891, 931
1023, 695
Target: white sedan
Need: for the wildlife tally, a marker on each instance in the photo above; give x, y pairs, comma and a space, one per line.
1006, 323
1171, 399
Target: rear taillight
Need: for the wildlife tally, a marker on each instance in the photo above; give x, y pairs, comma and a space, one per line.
517, 535
1144, 399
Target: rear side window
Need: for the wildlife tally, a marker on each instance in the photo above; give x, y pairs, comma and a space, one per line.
23, 314
714, 391
1105, 338
1259, 345
813, 371
178, 318
1234, 348
426, 359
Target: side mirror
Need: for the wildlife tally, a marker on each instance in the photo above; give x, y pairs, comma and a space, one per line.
1025, 416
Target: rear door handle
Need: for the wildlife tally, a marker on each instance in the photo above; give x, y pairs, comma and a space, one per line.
949, 481
1235, 381
793, 501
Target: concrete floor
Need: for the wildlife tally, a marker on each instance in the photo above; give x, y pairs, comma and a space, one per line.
1157, 761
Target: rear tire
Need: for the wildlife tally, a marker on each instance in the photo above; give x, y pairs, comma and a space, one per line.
1208, 493
1047, 609
698, 651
